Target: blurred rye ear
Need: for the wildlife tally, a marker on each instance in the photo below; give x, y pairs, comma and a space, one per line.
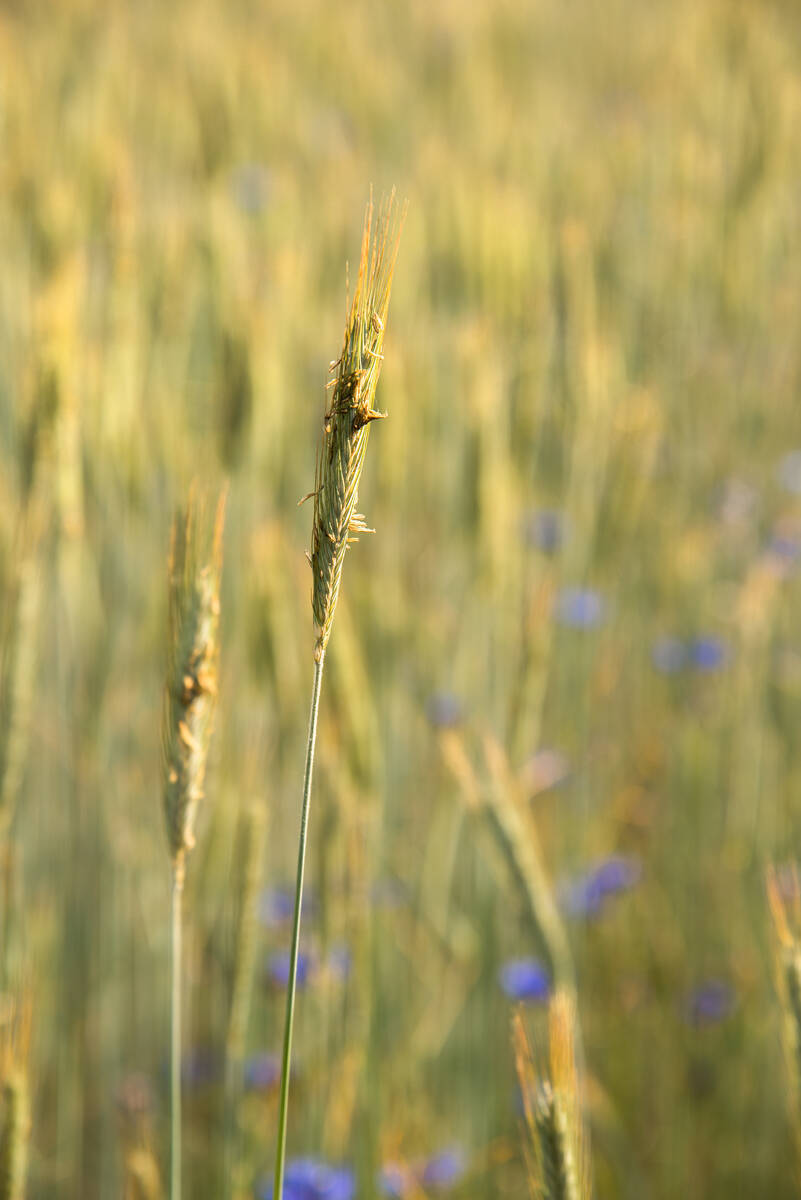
190, 698
191, 692
556, 1156
785, 907
500, 809
340, 458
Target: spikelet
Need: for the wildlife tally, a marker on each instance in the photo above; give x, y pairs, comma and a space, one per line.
191, 689
556, 1156
15, 1121
347, 419
786, 912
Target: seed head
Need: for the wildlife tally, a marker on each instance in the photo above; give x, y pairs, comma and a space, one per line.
347, 419
191, 688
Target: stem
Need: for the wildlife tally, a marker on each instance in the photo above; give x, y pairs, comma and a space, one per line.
293, 953
175, 1034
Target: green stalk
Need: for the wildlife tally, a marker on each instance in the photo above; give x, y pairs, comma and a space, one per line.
175, 1034
293, 953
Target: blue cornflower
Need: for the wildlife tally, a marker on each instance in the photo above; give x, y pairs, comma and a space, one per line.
545, 530
277, 906
586, 896
443, 1170
785, 546
525, 979
581, 897
669, 655
338, 1183
262, 1072
579, 608
437, 1173
708, 653
784, 550
278, 968
311, 1179
709, 1003
444, 710
616, 874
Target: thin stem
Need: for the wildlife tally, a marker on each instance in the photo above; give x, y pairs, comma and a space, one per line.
175, 1034
293, 953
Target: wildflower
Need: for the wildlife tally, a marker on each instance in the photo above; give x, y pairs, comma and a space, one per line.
707, 654
278, 968
545, 530
709, 1003
262, 1072
443, 1170
579, 608
437, 1173
586, 896
312, 1179
616, 874
784, 548
525, 979
277, 905
444, 710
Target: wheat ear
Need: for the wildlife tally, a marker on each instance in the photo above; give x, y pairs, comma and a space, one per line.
346, 426
189, 701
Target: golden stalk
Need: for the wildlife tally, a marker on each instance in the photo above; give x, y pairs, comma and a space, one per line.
346, 426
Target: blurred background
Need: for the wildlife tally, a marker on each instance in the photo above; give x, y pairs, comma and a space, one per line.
581, 596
